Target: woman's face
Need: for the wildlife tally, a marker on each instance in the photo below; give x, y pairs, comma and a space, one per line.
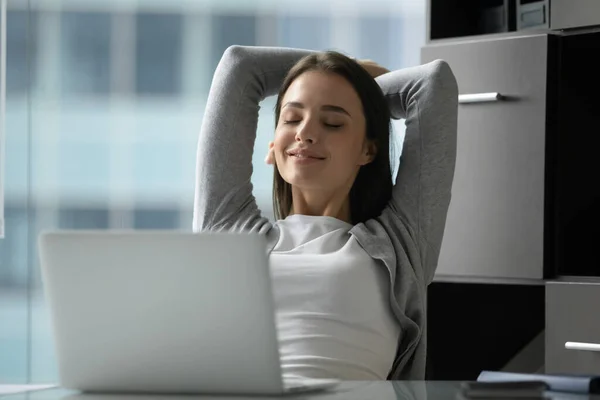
320, 140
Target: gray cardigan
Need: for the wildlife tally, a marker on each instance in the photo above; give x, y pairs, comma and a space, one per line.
406, 237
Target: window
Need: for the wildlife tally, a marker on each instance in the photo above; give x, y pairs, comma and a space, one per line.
84, 154
306, 32
72, 218
158, 54
85, 52
83, 170
21, 30
228, 30
15, 246
156, 219
377, 50
156, 168
13, 249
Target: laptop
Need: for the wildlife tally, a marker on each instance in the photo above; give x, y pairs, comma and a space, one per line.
164, 312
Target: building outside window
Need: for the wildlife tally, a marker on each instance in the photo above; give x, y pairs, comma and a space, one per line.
104, 105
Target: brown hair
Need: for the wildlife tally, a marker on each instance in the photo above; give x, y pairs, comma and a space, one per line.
372, 188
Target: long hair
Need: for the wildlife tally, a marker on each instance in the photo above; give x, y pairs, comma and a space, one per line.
372, 188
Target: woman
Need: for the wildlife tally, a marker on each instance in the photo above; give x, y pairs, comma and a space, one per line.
351, 254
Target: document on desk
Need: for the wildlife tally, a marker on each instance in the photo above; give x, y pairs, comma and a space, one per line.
583, 384
14, 389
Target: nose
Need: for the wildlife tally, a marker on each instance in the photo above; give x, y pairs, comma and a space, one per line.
307, 133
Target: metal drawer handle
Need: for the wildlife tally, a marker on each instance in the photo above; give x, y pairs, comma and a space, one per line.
582, 346
479, 98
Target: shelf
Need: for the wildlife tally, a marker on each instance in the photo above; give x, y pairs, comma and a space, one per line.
451, 19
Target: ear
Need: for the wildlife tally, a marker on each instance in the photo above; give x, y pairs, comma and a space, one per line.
369, 153
270, 159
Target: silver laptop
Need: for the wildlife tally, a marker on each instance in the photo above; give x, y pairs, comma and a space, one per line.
164, 312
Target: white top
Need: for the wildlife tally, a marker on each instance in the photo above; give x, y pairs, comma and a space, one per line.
332, 300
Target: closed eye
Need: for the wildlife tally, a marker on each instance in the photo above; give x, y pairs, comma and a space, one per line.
334, 126
291, 122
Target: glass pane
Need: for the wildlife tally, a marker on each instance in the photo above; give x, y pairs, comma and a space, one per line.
157, 182
377, 50
408, 32
85, 52
223, 35
20, 45
14, 281
107, 136
85, 177
306, 32
158, 54
377, 42
70, 218
262, 174
156, 219
14, 247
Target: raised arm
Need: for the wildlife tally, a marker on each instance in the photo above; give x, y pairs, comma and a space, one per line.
245, 76
427, 97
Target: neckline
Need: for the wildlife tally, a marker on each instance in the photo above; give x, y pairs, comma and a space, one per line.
325, 218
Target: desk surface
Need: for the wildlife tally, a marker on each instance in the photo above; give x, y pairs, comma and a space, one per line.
381, 390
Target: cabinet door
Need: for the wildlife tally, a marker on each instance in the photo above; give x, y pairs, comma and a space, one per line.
574, 13
495, 224
572, 327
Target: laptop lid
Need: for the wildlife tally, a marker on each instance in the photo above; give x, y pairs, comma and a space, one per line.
161, 311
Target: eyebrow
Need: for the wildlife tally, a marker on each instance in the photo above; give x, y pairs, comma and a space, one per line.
327, 107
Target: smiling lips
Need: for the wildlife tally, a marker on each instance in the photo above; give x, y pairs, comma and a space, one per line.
303, 154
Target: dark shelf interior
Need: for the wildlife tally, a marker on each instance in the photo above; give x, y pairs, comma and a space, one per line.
576, 161
461, 18
475, 327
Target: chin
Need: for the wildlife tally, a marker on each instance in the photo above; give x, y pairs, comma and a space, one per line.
304, 181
